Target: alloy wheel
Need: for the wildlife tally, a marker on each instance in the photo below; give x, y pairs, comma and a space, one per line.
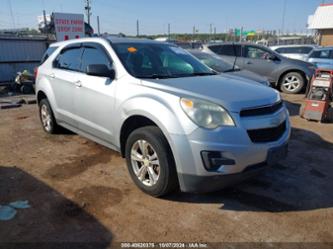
46, 118
145, 162
292, 83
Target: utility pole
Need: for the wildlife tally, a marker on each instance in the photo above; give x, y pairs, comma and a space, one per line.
87, 7
44, 17
137, 28
283, 19
214, 33
193, 33
169, 31
241, 34
210, 31
98, 27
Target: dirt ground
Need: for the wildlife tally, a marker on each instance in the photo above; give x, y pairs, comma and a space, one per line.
80, 191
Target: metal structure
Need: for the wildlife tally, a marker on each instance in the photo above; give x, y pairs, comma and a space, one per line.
18, 54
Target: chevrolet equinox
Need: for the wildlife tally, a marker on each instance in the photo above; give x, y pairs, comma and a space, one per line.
177, 123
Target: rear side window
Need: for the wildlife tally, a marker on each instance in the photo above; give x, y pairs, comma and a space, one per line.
227, 50
69, 59
294, 50
47, 54
92, 55
321, 54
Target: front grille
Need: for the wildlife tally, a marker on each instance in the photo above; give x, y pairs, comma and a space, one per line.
268, 134
264, 110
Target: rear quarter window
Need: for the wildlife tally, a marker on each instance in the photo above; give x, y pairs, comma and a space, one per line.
47, 54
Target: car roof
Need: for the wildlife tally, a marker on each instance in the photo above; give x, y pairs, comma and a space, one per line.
294, 46
112, 39
324, 48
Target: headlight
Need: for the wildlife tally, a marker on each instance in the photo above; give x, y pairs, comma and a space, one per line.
206, 114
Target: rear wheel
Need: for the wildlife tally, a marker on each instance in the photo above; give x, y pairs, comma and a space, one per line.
47, 118
292, 82
150, 161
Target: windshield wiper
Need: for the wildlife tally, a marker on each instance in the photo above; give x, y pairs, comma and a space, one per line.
200, 74
155, 76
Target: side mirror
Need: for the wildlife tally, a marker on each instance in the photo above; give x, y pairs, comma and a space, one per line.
100, 70
271, 57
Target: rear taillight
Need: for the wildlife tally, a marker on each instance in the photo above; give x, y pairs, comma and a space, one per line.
35, 72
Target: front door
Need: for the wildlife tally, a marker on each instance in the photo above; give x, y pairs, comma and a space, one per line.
257, 60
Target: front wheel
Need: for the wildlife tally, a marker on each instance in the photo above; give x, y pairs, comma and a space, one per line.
292, 83
150, 161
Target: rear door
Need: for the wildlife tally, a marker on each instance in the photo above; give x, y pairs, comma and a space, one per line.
256, 59
227, 51
64, 76
94, 98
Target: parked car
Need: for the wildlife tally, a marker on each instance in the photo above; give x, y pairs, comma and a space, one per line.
289, 75
298, 52
176, 122
219, 65
322, 57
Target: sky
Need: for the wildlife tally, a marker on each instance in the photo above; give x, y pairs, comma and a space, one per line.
154, 15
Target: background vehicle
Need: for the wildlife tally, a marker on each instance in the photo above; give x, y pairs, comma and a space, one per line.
298, 52
291, 76
322, 57
176, 122
219, 65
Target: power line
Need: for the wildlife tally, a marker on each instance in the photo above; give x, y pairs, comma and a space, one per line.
11, 13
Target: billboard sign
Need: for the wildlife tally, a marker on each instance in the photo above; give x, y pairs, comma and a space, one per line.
68, 26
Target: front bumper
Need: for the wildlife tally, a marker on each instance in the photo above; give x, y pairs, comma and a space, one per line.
233, 143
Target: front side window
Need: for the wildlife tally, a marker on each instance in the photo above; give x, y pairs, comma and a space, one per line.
69, 59
92, 55
158, 60
255, 53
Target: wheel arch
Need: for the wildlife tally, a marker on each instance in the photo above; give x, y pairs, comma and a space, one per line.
130, 124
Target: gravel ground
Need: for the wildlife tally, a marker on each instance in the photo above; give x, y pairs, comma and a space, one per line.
80, 191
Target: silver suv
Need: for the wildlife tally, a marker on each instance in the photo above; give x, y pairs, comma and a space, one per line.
178, 124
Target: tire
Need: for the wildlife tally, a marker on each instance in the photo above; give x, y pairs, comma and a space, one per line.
329, 118
156, 179
46, 116
301, 110
292, 83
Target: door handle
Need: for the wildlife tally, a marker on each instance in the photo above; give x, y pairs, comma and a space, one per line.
52, 75
249, 62
78, 83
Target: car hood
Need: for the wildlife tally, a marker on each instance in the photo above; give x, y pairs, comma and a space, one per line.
248, 75
232, 93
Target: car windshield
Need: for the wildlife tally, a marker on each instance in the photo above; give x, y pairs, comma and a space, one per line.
215, 62
150, 60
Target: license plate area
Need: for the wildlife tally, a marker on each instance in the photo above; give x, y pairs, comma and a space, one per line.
277, 154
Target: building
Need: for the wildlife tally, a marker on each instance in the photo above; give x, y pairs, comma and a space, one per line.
322, 22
